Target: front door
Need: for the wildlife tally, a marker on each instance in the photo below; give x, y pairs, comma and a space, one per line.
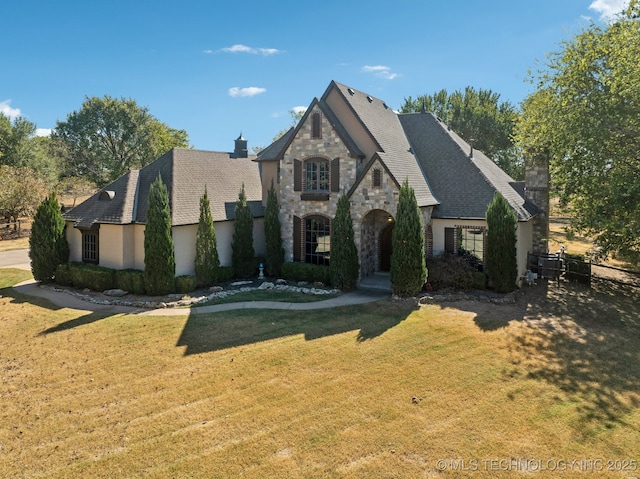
386, 247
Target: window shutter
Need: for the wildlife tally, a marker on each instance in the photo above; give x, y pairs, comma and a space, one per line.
297, 175
335, 175
297, 238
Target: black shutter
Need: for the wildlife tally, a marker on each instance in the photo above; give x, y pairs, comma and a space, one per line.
297, 238
335, 175
450, 240
297, 175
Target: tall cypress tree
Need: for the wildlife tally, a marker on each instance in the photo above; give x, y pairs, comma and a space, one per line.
273, 234
243, 255
48, 245
207, 261
501, 260
408, 268
343, 266
159, 256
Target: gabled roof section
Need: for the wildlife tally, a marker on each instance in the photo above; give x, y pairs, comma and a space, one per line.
463, 182
185, 173
384, 127
276, 150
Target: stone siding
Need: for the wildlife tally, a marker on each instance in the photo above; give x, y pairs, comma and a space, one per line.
536, 176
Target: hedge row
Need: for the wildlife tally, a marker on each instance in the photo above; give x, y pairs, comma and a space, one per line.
306, 272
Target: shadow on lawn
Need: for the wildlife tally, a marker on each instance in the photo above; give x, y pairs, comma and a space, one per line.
585, 341
17, 298
212, 332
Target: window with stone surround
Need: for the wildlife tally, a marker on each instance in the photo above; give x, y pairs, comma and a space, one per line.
376, 178
316, 126
316, 175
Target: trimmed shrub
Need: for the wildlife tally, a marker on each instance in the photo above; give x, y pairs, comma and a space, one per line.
131, 280
207, 260
185, 284
63, 275
48, 245
448, 271
224, 274
159, 255
343, 266
93, 277
243, 255
408, 269
273, 235
501, 260
306, 272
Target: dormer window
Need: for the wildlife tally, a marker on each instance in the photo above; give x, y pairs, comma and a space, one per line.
316, 126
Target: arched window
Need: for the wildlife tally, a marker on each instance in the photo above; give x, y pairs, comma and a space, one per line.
317, 240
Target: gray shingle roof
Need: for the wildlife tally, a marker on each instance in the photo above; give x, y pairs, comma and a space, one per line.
395, 151
185, 172
463, 185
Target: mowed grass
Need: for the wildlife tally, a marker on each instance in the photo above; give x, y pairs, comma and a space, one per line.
321, 393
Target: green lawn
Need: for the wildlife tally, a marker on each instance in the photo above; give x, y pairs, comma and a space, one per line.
328, 393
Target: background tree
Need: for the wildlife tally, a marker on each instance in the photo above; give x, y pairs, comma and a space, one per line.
343, 266
481, 119
48, 245
501, 260
273, 234
108, 137
243, 255
585, 115
408, 268
20, 188
159, 255
207, 260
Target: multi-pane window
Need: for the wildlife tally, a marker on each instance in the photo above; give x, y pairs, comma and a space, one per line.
317, 240
471, 241
316, 175
90, 247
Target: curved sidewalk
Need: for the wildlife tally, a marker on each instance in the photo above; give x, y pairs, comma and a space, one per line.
64, 300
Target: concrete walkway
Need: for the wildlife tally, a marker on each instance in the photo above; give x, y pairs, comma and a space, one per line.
20, 259
64, 300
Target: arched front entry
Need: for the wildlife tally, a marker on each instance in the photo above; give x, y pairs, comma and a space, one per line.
375, 245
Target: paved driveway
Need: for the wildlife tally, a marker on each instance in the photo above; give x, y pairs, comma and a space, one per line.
18, 258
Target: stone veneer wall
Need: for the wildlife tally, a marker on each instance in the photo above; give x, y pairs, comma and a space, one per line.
536, 177
302, 147
365, 199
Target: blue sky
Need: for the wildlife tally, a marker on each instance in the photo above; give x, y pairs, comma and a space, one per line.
218, 68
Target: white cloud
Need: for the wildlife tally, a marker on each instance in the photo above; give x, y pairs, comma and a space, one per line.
43, 131
239, 48
248, 91
11, 113
380, 71
608, 9
299, 109
208, 52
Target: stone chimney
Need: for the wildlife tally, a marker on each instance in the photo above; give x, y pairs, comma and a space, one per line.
240, 150
536, 190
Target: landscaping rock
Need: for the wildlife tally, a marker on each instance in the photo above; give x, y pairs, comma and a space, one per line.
216, 289
266, 285
116, 293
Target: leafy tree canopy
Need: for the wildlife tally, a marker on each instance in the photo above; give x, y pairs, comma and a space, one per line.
585, 115
108, 137
21, 191
480, 118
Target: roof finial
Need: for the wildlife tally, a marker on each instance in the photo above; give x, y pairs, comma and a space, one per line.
424, 106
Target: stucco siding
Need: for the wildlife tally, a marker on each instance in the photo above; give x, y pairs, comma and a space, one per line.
74, 238
524, 244
111, 246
